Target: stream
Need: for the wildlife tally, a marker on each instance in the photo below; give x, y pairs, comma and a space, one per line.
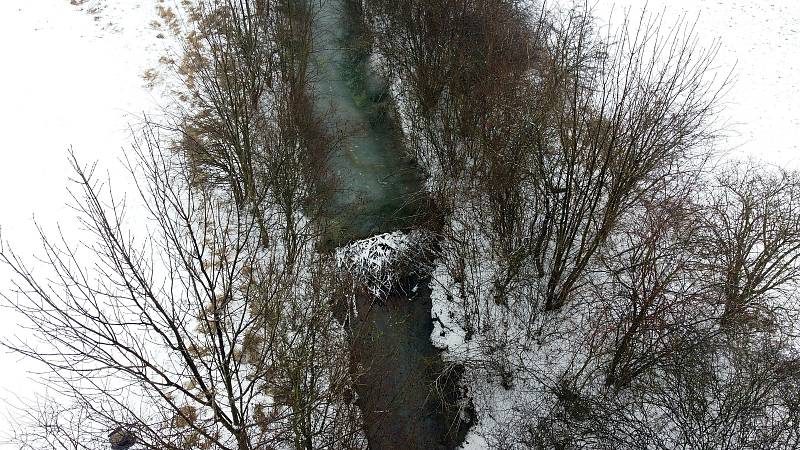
379, 189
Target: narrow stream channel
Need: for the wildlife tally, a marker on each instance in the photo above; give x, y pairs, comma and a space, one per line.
379, 190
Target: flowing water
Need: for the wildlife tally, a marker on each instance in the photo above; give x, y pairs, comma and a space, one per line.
378, 189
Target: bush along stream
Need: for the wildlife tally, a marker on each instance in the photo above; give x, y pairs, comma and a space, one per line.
409, 397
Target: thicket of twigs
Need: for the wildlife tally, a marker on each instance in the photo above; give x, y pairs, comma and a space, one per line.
216, 329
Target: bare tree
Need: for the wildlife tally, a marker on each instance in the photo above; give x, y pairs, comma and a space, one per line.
628, 113
244, 119
752, 244
651, 300
577, 128
572, 167
195, 336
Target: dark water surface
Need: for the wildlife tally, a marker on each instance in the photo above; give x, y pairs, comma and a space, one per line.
402, 395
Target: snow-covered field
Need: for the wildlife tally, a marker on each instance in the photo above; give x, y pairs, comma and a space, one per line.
72, 77
759, 40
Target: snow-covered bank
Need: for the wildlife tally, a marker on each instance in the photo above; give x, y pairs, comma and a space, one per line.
760, 119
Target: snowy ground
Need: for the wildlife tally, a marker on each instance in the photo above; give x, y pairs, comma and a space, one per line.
760, 41
71, 77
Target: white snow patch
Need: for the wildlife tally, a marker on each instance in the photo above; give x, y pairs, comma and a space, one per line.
758, 43
380, 261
